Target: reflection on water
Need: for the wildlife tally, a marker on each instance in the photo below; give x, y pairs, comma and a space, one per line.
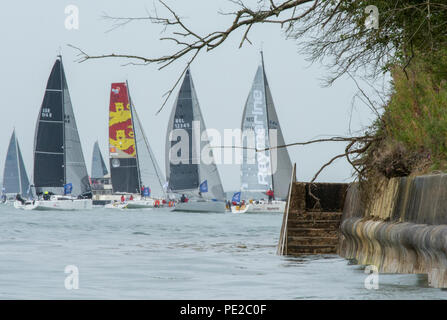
157, 254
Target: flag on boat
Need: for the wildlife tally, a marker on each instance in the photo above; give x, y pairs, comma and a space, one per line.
146, 192
236, 197
204, 186
68, 188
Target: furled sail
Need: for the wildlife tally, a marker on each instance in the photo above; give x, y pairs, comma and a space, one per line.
99, 169
58, 157
15, 179
184, 169
260, 126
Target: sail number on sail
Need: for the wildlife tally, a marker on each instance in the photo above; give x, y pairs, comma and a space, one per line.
46, 113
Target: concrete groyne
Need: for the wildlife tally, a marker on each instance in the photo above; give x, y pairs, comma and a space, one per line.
403, 229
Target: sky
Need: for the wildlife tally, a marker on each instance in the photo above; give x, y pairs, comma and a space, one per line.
33, 33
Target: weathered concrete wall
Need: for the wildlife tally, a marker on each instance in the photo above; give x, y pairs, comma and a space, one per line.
403, 230
308, 227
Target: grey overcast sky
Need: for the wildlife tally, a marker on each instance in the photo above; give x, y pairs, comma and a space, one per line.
33, 32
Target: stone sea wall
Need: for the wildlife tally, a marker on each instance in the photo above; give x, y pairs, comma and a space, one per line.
403, 230
310, 226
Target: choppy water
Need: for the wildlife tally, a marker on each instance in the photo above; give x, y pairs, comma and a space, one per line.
157, 254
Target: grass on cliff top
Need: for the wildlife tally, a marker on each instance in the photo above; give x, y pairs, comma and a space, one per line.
413, 127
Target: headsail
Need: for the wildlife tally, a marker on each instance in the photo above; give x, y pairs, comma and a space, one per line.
184, 169
15, 179
75, 168
207, 171
58, 157
150, 173
269, 169
281, 163
99, 169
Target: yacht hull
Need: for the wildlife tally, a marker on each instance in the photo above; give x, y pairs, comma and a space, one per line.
200, 206
275, 207
140, 204
238, 209
59, 205
116, 205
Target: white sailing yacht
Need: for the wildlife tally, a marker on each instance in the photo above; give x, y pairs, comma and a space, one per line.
134, 169
269, 169
187, 174
60, 176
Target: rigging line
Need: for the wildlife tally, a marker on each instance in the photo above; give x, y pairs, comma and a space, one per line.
18, 163
264, 78
62, 75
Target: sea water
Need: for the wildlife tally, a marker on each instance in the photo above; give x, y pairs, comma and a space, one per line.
158, 254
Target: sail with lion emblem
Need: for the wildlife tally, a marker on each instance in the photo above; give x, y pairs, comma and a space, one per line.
132, 162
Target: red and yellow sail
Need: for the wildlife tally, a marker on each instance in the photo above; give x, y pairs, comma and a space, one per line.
121, 132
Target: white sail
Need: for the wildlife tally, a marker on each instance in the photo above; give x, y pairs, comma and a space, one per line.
75, 168
280, 159
271, 168
207, 171
150, 173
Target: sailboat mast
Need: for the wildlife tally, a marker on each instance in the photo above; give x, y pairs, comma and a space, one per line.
268, 119
63, 120
134, 136
18, 163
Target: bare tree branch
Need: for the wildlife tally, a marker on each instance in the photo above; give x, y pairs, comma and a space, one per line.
192, 42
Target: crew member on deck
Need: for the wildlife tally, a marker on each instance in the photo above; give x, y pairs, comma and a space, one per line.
183, 198
19, 198
46, 195
270, 194
122, 198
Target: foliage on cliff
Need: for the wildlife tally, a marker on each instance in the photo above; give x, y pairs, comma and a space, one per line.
408, 41
411, 134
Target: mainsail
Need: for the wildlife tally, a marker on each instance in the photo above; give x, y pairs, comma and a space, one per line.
184, 169
132, 162
58, 157
99, 169
268, 169
15, 179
